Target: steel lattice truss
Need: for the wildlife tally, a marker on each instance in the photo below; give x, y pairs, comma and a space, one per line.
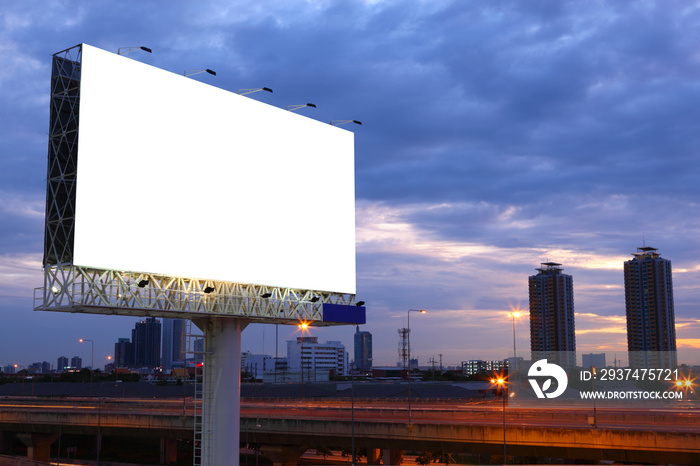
63, 156
71, 288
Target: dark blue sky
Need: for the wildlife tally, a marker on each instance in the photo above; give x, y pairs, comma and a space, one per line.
496, 135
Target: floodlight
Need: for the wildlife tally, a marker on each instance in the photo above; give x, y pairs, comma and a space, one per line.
193, 72
343, 122
131, 49
266, 295
360, 303
315, 299
250, 91
209, 289
291, 108
143, 283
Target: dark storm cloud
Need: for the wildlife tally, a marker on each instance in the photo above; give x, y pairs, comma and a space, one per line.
542, 106
494, 133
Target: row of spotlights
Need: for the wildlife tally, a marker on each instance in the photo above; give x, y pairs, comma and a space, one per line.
291, 108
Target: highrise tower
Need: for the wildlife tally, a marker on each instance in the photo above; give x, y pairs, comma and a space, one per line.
651, 323
173, 340
552, 315
123, 353
146, 340
363, 350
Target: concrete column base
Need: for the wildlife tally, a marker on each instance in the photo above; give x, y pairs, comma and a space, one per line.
221, 389
373, 455
38, 445
392, 456
168, 450
6, 441
283, 455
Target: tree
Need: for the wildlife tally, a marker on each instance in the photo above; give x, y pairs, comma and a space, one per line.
324, 451
424, 458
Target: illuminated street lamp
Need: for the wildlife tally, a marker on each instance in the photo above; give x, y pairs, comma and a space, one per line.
92, 356
408, 314
686, 385
131, 49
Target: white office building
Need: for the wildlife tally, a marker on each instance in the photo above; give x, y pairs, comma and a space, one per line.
308, 356
256, 364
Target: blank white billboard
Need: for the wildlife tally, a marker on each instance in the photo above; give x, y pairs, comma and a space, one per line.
180, 178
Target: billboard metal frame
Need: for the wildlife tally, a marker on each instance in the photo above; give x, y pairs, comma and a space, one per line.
220, 309
72, 288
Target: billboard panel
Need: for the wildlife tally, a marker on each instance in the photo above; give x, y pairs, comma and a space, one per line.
181, 178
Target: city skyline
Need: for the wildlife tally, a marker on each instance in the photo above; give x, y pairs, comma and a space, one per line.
495, 137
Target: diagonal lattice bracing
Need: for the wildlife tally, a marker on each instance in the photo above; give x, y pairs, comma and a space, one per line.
72, 288
62, 156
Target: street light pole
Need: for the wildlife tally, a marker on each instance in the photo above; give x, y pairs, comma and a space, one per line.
503, 395
303, 326
276, 354
408, 321
501, 382
595, 417
92, 357
513, 315
99, 418
352, 410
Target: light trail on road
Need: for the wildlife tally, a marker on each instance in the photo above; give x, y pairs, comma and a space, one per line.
487, 413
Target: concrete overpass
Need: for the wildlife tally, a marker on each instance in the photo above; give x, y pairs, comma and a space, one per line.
285, 428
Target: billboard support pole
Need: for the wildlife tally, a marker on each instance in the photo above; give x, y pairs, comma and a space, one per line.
222, 389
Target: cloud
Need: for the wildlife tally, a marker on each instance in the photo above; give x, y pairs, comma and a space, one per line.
23, 215
688, 343
495, 136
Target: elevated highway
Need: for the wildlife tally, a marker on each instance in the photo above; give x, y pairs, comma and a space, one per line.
285, 428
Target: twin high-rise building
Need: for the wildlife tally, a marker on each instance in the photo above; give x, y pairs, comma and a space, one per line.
651, 330
552, 328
